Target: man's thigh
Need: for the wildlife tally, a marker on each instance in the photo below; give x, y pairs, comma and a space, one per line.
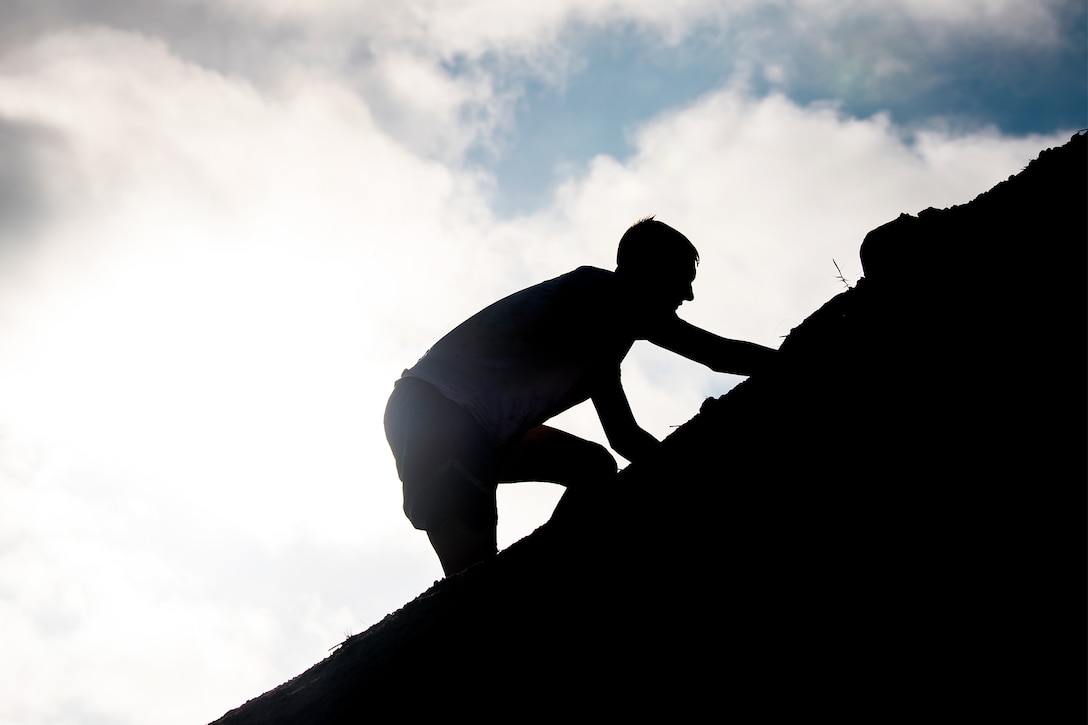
549, 454
444, 459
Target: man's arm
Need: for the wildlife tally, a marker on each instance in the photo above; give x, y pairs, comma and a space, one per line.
720, 354
624, 434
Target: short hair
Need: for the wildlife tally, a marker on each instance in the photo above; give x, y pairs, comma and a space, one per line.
649, 244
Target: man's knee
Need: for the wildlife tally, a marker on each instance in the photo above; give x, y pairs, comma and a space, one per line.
589, 464
452, 492
598, 461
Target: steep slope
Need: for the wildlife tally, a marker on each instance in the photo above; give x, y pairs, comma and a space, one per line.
887, 525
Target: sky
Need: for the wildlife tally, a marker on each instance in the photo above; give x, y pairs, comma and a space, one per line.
226, 227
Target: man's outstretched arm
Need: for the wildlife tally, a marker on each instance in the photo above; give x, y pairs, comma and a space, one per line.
720, 354
624, 434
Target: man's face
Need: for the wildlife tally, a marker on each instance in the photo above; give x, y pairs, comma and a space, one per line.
673, 287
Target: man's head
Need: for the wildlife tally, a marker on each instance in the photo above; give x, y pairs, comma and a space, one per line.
659, 260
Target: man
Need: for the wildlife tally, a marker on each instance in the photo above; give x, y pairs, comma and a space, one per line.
470, 414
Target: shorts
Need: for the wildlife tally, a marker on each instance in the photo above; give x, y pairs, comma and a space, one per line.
445, 459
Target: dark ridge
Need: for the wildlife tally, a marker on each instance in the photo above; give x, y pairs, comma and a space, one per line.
889, 525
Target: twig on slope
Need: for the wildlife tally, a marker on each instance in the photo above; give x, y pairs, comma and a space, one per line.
840, 277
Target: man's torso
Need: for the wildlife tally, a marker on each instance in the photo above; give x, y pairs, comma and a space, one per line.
535, 353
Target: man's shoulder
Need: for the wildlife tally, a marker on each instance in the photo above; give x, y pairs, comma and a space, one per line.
587, 273
588, 270
589, 279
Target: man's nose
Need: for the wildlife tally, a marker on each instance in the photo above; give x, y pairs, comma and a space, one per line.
690, 294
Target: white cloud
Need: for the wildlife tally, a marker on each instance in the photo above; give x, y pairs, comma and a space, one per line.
476, 27
1031, 23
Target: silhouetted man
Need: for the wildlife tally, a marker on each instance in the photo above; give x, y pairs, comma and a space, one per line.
470, 413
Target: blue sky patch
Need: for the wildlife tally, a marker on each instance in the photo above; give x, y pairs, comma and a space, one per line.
626, 77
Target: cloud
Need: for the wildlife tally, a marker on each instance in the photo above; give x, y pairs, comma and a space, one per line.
32, 179
447, 78
487, 26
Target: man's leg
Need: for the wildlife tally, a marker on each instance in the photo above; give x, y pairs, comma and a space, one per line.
542, 454
465, 532
551, 455
447, 469
458, 546
468, 536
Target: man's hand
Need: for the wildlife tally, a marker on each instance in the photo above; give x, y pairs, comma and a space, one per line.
624, 434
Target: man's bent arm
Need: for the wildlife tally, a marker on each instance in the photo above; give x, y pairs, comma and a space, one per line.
624, 434
720, 354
